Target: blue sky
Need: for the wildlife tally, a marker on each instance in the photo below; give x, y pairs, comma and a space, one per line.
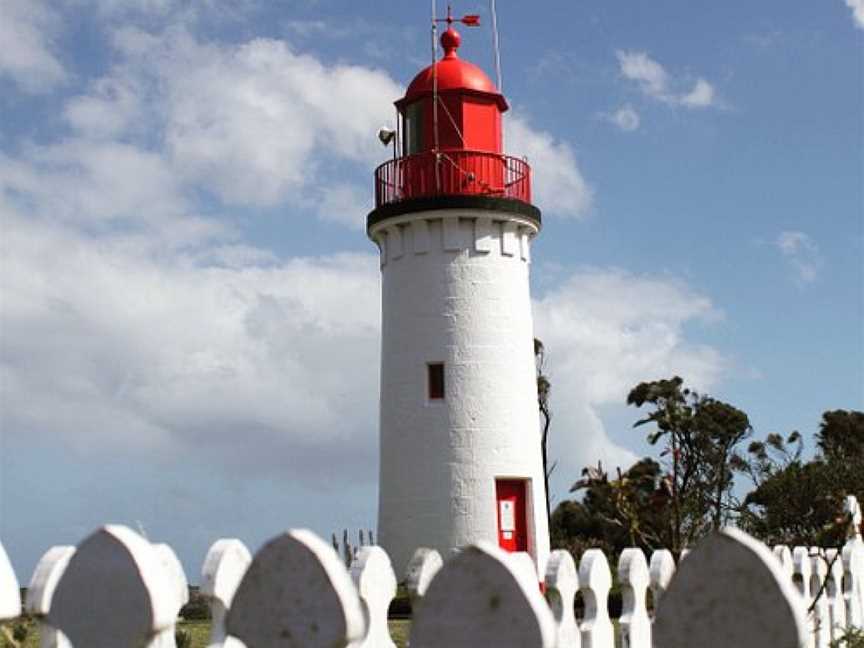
190, 309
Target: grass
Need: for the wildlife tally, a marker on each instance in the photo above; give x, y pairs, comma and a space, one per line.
200, 631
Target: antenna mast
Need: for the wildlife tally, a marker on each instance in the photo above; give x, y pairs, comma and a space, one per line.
435, 93
496, 45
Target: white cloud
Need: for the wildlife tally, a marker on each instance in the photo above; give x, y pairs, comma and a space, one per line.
626, 118
27, 29
110, 108
701, 96
857, 7
120, 347
557, 183
604, 331
802, 254
257, 123
651, 76
655, 82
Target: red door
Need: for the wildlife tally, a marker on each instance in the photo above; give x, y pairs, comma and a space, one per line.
512, 522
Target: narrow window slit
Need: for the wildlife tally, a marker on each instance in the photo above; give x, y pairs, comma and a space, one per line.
436, 380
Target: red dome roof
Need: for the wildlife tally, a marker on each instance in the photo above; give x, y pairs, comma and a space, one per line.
453, 74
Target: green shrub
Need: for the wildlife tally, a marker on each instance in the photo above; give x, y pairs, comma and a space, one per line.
852, 639
183, 639
197, 609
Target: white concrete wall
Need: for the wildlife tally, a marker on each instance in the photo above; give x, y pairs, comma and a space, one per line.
455, 290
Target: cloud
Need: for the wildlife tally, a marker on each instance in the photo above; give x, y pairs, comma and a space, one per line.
626, 118
701, 96
557, 183
605, 330
110, 346
27, 30
655, 82
257, 123
857, 7
801, 253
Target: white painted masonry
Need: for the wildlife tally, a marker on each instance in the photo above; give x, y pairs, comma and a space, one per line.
455, 290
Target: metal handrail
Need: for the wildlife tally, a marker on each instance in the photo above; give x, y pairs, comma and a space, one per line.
459, 172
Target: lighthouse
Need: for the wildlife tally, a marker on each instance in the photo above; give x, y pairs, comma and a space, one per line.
460, 455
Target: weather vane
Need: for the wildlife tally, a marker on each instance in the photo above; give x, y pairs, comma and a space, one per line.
469, 20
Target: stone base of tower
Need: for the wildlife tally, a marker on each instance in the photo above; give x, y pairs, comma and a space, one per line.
467, 466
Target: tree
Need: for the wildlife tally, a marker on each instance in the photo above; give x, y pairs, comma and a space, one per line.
543, 389
629, 511
700, 435
801, 503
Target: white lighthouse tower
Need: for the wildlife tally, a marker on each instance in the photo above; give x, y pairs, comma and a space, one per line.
460, 435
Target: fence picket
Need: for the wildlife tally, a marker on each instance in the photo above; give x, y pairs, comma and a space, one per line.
373, 576
818, 578
224, 566
40, 592
834, 593
480, 599
595, 581
661, 569
296, 592
422, 567
853, 579
635, 625
784, 555
562, 583
730, 592
179, 589
801, 577
10, 593
114, 592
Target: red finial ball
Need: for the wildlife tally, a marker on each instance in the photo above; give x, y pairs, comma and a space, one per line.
450, 40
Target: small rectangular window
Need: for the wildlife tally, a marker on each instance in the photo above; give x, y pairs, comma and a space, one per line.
412, 129
436, 380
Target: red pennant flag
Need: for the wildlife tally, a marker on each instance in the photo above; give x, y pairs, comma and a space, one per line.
471, 21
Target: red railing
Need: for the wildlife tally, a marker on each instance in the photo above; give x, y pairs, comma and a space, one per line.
457, 173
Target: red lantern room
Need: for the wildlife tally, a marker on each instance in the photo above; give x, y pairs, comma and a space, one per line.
448, 151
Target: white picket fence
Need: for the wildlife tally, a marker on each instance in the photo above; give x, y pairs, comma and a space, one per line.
117, 590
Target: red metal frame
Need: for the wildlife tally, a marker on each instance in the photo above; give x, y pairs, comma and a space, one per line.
461, 172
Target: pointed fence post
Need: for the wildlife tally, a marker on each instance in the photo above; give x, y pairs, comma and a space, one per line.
730, 591
524, 564
40, 592
853, 579
634, 577
297, 592
375, 580
224, 566
562, 583
479, 598
662, 569
853, 566
179, 588
801, 577
595, 581
10, 592
818, 579
834, 592
113, 593
422, 567
784, 555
